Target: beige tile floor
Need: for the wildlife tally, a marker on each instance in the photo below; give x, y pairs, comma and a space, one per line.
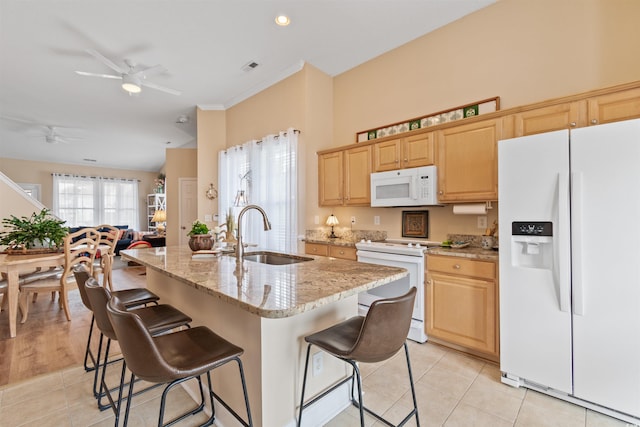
452, 390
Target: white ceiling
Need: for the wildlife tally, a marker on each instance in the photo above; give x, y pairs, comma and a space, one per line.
203, 44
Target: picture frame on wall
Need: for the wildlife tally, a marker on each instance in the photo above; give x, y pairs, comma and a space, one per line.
415, 224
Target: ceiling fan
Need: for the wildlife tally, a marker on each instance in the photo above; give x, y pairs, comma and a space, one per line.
50, 132
133, 77
51, 136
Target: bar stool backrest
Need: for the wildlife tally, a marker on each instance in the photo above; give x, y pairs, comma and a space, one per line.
137, 345
99, 296
81, 274
385, 329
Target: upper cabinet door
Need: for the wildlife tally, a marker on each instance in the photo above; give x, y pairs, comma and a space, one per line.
548, 119
330, 179
386, 155
468, 162
357, 171
417, 150
614, 107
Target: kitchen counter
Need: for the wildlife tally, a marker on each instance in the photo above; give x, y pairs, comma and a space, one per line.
468, 252
267, 310
271, 291
336, 242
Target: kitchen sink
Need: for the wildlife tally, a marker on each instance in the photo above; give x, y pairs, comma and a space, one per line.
274, 258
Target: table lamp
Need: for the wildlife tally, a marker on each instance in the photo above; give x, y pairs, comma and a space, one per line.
159, 217
332, 221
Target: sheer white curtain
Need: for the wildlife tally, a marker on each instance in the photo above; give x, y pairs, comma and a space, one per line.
268, 173
88, 201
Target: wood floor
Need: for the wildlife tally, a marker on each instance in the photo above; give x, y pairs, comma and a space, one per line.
47, 342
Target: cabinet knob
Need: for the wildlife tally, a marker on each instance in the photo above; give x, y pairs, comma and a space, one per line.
594, 121
341, 252
572, 124
440, 192
456, 266
397, 161
406, 160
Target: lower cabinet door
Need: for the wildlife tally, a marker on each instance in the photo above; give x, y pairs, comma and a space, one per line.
462, 311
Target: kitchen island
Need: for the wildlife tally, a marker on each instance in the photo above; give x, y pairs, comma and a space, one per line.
267, 310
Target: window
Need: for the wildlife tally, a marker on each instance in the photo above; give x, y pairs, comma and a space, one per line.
87, 201
264, 173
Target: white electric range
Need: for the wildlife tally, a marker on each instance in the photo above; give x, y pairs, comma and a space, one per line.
407, 254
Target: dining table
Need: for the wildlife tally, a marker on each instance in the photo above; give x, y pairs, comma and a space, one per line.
12, 265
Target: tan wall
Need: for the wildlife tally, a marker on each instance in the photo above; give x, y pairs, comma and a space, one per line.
31, 172
212, 129
181, 163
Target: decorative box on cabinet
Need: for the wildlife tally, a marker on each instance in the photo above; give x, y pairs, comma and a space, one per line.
343, 177
462, 303
408, 152
468, 162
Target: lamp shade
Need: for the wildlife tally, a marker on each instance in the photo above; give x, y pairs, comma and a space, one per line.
332, 220
159, 216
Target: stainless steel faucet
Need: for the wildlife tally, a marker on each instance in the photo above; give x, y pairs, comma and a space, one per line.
267, 227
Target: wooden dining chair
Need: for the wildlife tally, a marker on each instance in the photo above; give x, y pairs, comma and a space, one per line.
3, 294
108, 238
79, 247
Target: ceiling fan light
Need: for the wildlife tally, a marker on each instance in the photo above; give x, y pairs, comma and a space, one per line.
131, 84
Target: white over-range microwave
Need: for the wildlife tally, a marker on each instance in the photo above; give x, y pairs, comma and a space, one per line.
405, 187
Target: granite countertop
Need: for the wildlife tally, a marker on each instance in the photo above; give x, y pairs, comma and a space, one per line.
271, 291
472, 252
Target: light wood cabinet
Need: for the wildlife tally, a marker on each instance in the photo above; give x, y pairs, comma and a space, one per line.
468, 162
408, 152
548, 119
344, 177
461, 301
343, 252
330, 178
316, 249
595, 110
614, 107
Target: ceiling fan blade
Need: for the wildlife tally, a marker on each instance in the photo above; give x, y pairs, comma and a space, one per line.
162, 88
17, 119
104, 76
106, 61
150, 70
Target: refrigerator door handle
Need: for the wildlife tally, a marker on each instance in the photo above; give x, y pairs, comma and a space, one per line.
564, 288
577, 187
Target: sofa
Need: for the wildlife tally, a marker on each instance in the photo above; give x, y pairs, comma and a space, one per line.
126, 237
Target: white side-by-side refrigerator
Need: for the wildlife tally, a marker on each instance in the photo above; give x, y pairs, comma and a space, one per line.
569, 220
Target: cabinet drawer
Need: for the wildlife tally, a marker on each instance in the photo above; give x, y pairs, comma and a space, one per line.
461, 266
343, 252
316, 249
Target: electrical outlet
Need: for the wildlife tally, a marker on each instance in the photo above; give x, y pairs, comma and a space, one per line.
376, 220
353, 220
316, 220
316, 364
482, 221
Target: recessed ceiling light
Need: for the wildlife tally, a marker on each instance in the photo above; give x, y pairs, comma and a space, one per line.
283, 20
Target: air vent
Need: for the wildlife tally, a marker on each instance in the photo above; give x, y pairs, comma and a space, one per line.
90, 160
250, 66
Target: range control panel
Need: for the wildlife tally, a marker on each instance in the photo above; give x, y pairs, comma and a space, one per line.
532, 228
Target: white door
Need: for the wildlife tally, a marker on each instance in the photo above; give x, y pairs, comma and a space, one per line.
535, 316
188, 207
606, 264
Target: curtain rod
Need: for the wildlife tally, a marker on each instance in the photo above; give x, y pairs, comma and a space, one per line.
93, 177
259, 140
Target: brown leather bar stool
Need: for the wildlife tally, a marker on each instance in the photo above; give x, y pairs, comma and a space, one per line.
157, 319
130, 297
370, 339
174, 358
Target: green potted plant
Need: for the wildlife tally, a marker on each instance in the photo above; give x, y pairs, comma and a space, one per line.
41, 230
200, 239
